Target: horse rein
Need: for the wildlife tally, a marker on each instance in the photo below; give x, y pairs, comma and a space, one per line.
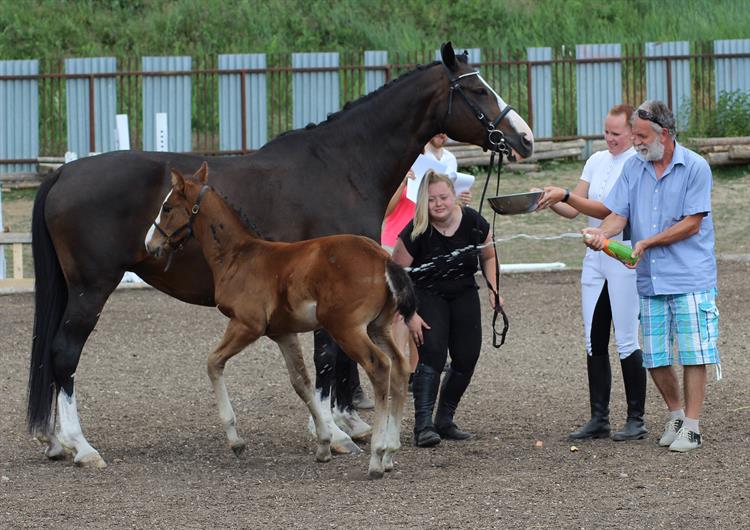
187, 227
500, 147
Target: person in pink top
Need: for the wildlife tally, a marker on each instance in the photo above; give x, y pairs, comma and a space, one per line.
399, 213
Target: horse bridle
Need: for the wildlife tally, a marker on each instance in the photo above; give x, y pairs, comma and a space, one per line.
498, 146
495, 136
177, 245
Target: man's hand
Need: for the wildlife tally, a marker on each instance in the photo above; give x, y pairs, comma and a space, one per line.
465, 198
593, 238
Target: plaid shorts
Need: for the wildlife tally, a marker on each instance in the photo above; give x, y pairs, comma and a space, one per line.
692, 320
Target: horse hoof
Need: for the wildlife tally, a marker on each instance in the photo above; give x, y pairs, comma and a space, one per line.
388, 464
238, 448
375, 473
363, 435
323, 455
57, 453
93, 461
345, 447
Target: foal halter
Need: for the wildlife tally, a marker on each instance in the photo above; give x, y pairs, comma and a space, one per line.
175, 245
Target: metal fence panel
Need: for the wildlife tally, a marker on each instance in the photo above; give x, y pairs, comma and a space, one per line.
19, 115
316, 94
598, 86
78, 105
658, 78
170, 94
374, 79
541, 92
230, 103
732, 74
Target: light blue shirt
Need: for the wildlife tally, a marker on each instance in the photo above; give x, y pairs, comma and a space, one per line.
652, 206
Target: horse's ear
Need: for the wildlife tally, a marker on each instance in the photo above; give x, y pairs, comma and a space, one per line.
202, 173
178, 181
463, 57
449, 56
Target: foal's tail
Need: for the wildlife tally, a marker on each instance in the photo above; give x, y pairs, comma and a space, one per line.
403, 290
51, 297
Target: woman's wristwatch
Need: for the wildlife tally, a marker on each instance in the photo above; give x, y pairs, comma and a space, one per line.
567, 195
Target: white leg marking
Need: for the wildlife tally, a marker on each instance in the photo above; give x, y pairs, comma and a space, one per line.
71, 434
351, 423
340, 441
226, 413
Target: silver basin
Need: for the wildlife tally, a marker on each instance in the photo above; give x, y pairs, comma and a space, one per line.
515, 203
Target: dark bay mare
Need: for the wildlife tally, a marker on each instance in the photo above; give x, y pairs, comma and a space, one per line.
345, 284
91, 216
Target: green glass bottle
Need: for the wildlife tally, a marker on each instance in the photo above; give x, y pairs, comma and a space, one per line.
617, 250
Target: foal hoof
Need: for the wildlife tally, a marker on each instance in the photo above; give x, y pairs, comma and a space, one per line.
323, 454
57, 453
375, 473
345, 447
238, 448
92, 460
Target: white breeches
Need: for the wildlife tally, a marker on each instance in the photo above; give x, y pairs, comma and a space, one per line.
598, 267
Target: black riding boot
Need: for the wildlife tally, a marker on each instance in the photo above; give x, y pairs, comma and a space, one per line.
634, 377
425, 385
600, 383
453, 387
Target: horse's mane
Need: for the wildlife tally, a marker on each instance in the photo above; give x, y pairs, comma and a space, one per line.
349, 105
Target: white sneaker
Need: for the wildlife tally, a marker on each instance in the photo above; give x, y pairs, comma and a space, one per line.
670, 432
686, 440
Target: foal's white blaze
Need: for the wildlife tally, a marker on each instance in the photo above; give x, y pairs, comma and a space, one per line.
152, 228
516, 121
71, 434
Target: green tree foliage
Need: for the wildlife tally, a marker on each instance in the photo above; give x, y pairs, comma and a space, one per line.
66, 28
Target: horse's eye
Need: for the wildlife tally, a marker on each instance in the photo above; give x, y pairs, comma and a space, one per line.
166, 208
481, 91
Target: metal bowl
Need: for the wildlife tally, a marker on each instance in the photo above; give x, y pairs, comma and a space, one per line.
515, 203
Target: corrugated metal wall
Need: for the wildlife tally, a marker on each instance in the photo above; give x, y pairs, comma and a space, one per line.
19, 115
170, 94
105, 105
316, 94
541, 91
230, 103
732, 74
374, 79
656, 77
598, 86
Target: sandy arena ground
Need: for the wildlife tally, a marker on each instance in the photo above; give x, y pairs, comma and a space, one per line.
146, 404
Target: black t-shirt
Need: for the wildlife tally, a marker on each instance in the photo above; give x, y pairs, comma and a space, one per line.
446, 265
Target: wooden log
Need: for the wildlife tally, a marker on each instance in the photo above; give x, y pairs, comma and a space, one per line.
723, 159
740, 152
11, 238
562, 153
730, 140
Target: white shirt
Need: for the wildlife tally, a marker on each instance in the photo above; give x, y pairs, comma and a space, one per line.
448, 159
601, 171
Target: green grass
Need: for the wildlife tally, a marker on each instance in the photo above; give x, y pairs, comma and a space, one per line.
64, 28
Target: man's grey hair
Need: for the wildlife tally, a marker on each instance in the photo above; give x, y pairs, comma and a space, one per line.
661, 112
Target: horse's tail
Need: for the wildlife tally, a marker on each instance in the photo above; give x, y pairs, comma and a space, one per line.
51, 297
402, 289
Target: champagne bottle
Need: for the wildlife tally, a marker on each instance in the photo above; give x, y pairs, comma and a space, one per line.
617, 250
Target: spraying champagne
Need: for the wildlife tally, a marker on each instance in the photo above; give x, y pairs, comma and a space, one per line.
617, 250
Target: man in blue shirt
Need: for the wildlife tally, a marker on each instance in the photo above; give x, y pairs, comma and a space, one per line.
664, 193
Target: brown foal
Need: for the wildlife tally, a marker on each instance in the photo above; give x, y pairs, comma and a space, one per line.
345, 284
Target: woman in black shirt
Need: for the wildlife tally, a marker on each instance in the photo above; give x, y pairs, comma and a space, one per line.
441, 246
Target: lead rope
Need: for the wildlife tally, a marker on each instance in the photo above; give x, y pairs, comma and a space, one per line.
498, 309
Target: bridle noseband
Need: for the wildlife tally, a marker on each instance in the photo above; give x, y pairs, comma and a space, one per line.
178, 244
495, 136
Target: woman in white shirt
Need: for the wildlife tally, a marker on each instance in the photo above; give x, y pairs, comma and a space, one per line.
608, 289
